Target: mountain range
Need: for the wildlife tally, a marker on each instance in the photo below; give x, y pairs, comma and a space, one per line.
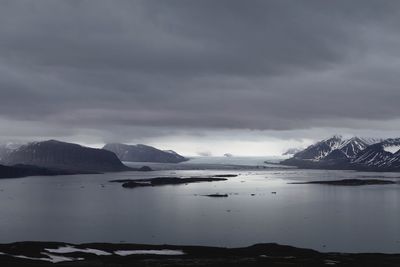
354, 154
53, 154
54, 157
143, 153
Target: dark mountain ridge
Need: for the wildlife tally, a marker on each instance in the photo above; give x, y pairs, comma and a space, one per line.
143, 153
380, 156
53, 154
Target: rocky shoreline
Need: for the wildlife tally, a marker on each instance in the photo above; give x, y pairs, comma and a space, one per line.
351, 182
106, 254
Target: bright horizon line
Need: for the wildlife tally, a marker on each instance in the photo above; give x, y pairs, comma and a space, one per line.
215, 146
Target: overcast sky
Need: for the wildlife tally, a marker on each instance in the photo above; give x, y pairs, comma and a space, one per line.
210, 76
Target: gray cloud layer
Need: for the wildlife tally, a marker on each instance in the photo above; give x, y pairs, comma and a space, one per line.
107, 66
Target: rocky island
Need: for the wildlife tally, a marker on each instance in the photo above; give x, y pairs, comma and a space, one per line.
158, 181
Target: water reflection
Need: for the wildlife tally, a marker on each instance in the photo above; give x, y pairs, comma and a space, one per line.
86, 208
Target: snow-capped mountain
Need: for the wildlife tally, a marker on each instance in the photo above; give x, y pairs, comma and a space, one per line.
353, 146
383, 155
354, 153
321, 149
334, 147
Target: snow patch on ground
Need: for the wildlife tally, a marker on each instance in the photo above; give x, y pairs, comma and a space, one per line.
70, 249
392, 149
51, 258
146, 252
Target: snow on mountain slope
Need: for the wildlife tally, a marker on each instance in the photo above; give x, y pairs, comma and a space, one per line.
353, 146
321, 149
391, 145
392, 149
342, 148
383, 155
354, 153
371, 140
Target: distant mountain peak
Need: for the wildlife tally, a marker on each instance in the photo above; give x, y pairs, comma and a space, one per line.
143, 153
291, 151
335, 136
320, 149
352, 153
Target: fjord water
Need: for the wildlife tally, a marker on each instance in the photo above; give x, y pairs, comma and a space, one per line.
262, 207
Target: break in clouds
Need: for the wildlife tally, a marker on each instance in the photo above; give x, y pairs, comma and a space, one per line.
124, 70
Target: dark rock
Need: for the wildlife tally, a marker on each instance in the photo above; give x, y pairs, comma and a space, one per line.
200, 256
20, 170
132, 184
337, 154
158, 181
65, 156
217, 195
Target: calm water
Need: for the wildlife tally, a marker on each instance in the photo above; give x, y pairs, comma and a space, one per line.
86, 208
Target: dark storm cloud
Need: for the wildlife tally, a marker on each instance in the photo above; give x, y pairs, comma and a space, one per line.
269, 65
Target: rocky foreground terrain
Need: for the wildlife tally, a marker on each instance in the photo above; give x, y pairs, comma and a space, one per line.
113, 255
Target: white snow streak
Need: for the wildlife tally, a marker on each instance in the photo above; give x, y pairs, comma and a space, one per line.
70, 249
153, 252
